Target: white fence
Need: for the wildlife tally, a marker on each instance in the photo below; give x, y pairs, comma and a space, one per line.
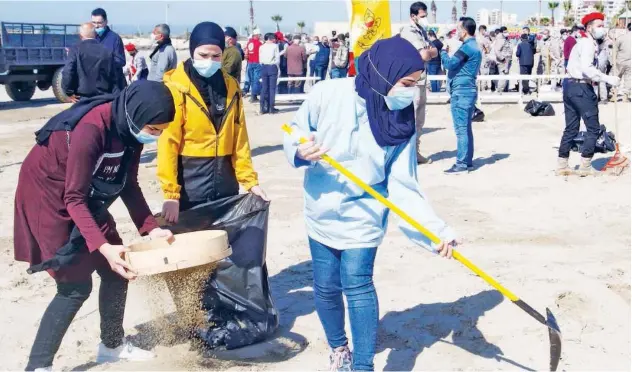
483, 97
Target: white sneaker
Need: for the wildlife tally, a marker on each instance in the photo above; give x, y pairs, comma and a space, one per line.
127, 351
45, 369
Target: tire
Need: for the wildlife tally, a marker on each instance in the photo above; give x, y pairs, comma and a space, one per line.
21, 90
58, 91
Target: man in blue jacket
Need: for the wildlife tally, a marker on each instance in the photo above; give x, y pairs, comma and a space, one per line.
463, 68
110, 40
321, 61
524, 52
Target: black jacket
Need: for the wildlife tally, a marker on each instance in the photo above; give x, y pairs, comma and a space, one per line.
90, 71
439, 45
525, 53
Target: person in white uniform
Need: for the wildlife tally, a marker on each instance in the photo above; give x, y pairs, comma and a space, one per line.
580, 100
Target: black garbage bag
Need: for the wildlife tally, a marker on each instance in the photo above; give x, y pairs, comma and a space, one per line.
606, 142
237, 297
478, 115
537, 108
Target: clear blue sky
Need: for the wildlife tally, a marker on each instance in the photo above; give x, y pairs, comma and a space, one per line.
129, 14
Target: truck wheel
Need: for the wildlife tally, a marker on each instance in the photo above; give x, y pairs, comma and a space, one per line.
57, 89
20, 90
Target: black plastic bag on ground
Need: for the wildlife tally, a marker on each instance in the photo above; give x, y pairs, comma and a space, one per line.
537, 108
606, 142
237, 296
478, 115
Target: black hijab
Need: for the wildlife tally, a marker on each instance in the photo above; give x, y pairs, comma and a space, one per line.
213, 89
148, 102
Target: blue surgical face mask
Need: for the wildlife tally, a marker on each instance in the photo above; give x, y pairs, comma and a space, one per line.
141, 137
99, 30
206, 67
400, 97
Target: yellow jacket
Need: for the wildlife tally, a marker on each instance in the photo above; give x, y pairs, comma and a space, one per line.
194, 162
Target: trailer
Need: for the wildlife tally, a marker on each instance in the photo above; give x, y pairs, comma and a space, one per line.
33, 55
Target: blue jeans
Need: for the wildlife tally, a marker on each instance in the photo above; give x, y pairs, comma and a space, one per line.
462, 108
338, 72
321, 72
349, 271
434, 69
253, 70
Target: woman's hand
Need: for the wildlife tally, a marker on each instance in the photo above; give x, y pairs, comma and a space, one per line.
445, 249
165, 234
257, 190
114, 255
171, 210
310, 150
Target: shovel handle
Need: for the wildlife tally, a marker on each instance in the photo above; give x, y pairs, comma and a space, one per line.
371, 191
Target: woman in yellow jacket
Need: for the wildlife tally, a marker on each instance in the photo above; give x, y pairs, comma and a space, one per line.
204, 154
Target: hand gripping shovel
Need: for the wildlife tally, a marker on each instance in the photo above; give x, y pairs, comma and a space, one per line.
549, 321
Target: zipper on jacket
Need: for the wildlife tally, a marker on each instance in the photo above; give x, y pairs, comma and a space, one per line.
219, 130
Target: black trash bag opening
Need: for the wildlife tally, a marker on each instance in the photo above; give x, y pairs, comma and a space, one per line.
478, 115
236, 297
537, 108
606, 141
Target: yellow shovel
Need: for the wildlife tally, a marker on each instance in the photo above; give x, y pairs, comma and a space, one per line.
549, 321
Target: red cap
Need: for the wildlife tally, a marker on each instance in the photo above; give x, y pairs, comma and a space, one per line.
279, 35
591, 17
130, 47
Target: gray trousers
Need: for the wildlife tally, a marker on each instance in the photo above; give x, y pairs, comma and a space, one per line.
420, 112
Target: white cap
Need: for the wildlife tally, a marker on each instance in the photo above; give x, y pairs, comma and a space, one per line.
256, 31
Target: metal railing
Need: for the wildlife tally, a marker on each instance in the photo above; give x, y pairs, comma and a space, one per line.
483, 97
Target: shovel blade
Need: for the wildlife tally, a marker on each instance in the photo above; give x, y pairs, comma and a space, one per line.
555, 338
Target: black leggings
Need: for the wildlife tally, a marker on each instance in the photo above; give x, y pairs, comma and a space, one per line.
65, 305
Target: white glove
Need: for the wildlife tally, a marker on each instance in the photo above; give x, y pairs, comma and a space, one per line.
613, 80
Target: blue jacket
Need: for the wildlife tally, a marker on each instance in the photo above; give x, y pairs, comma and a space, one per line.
112, 41
322, 56
338, 213
525, 53
463, 66
90, 71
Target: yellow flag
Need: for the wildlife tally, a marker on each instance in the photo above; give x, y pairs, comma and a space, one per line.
370, 22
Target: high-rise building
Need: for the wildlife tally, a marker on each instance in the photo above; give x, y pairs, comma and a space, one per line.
506, 19
611, 8
494, 17
482, 17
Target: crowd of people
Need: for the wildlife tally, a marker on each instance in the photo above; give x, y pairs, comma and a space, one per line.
88, 155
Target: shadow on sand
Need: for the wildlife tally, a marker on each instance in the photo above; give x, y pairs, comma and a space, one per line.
37, 102
408, 332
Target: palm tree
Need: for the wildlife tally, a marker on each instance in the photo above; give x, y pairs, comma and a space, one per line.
599, 7
569, 21
454, 11
552, 6
301, 26
568, 6
464, 7
276, 19
433, 9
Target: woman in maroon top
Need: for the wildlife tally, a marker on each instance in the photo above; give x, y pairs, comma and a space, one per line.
85, 158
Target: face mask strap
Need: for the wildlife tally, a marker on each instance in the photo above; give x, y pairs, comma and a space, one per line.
377, 72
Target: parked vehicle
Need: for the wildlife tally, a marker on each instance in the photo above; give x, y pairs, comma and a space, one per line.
33, 55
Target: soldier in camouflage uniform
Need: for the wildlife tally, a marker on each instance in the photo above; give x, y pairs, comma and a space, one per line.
415, 33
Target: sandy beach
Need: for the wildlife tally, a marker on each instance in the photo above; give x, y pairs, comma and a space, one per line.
557, 242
